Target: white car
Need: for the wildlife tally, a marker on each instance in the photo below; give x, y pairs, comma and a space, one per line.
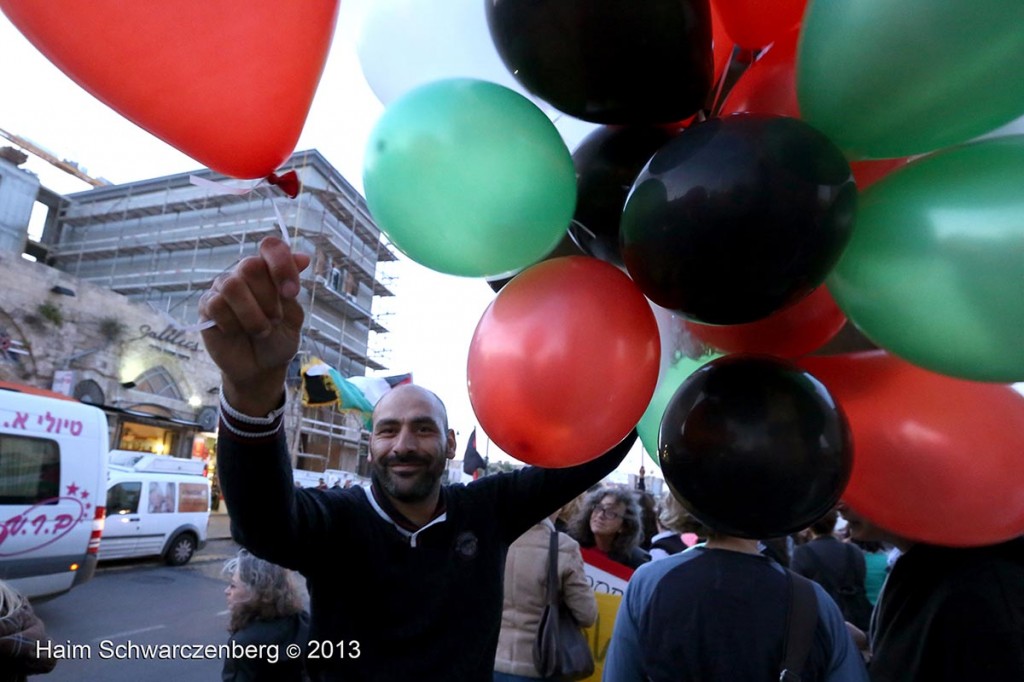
157, 505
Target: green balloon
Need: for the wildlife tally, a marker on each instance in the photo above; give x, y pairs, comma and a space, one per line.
469, 178
934, 272
894, 78
675, 374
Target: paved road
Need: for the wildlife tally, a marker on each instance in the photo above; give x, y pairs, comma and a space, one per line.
142, 603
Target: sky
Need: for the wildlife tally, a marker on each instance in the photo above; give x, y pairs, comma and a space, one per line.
432, 316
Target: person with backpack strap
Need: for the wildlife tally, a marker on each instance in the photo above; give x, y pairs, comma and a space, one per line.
837, 566
723, 611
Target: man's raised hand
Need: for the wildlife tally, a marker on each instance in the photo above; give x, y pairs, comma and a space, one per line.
258, 323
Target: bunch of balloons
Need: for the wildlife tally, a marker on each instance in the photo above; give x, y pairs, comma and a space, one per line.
767, 174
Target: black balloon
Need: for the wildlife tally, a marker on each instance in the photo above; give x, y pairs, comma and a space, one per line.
607, 163
738, 217
754, 447
609, 61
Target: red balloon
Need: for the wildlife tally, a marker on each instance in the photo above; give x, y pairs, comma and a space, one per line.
936, 459
756, 23
563, 362
867, 173
797, 330
721, 43
228, 82
769, 87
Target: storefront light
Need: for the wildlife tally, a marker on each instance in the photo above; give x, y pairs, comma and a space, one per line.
131, 369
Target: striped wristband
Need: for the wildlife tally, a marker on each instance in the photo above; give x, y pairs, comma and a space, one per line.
246, 426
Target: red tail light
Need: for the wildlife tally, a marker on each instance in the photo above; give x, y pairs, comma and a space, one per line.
97, 530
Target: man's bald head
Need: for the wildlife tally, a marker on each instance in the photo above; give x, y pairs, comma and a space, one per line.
409, 445
405, 392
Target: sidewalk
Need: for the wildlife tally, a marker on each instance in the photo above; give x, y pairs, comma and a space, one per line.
219, 527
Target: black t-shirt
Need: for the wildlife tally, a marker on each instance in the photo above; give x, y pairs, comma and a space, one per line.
952, 614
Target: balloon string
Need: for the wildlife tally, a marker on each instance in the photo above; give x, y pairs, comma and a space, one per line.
219, 187
584, 228
287, 182
716, 101
281, 224
739, 61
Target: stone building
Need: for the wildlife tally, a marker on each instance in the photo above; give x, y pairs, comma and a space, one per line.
105, 313
83, 340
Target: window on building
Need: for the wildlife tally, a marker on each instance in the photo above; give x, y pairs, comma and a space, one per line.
158, 381
351, 285
335, 280
146, 438
37, 221
29, 470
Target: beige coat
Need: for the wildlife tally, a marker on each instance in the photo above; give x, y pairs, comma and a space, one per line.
526, 577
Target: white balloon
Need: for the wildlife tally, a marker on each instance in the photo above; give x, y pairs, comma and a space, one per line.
403, 44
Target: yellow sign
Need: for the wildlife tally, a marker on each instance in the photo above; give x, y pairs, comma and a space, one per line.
599, 635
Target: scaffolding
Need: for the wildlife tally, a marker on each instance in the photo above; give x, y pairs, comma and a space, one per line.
165, 240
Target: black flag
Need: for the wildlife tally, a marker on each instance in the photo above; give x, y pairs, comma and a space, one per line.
472, 459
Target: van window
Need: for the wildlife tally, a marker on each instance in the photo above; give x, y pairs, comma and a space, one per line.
29, 470
161, 497
123, 498
194, 497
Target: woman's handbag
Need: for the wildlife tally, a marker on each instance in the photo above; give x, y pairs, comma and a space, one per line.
560, 651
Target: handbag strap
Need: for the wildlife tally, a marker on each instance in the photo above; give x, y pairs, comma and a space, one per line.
801, 620
553, 568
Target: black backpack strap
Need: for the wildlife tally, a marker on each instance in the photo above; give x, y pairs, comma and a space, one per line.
801, 621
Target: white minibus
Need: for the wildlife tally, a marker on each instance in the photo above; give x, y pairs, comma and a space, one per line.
53, 472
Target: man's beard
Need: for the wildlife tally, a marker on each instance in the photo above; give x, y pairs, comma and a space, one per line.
402, 489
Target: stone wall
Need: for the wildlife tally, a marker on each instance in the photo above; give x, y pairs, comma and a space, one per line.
51, 322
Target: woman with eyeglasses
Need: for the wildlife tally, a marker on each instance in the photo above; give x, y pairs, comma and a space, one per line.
608, 524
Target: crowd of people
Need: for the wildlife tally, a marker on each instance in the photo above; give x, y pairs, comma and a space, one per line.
448, 582
430, 559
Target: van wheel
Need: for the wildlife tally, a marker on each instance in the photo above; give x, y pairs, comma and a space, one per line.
181, 550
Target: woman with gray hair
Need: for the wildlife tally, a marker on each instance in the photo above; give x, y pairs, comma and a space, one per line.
609, 522
267, 620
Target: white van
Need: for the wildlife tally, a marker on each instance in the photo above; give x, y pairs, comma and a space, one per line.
53, 471
157, 505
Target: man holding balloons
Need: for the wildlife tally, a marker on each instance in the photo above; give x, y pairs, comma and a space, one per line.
405, 578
